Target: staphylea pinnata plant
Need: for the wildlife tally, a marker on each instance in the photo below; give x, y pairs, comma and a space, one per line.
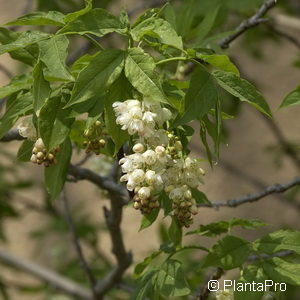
135, 104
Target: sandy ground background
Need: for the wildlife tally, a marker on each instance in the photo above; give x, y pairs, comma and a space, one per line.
246, 151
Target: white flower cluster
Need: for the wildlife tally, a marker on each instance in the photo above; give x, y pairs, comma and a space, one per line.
158, 162
26, 128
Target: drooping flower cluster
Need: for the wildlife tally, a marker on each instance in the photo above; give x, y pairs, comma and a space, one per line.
158, 162
224, 295
40, 156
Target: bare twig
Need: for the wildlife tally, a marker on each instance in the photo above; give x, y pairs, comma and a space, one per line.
75, 239
84, 159
248, 23
283, 253
284, 35
287, 148
276, 188
56, 280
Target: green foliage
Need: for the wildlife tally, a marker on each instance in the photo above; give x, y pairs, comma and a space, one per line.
293, 98
169, 56
55, 176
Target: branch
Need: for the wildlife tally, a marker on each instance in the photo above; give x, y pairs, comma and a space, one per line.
283, 253
248, 23
105, 183
76, 243
12, 135
284, 35
276, 188
46, 275
204, 290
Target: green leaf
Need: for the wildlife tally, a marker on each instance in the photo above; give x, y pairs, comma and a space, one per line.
293, 98
97, 21
18, 83
120, 90
279, 240
140, 268
217, 228
26, 55
229, 253
221, 62
243, 90
144, 287
55, 175
280, 270
23, 39
159, 29
200, 98
74, 15
25, 151
203, 136
39, 18
207, 24
15, 107
139, 69
54, 123
41, 88
149, 218
170, 280
102, 71
200, 197
53, 53
251, 273
175, 232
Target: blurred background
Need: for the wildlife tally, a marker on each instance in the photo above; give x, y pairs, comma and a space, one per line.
257, 152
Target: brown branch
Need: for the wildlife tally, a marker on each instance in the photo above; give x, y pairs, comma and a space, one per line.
276, 188
286, 146
12, 135
204, 291
284, 35
248, 23
54, 279
77, 246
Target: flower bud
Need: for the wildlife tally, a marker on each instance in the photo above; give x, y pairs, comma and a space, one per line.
169, 188
178, 145
124, 178
194, 209
144, 192
188, 195
97, 123
40, 155
137, 175
160, 150
149, 157
150, 177
33, 158
39, 144
50, 156
136, 205
137, 148
102, 143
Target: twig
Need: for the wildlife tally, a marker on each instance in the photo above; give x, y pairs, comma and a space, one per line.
284, 35
68, 286
283, 253
204, 290
113, 217
276, 188
12, 135
287, 148
84, 160
76, 243
248, 23
5, 71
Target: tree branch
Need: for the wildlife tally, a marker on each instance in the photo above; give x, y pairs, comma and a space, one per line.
248, 23
284, 35
65, 285
12, 135
76, 243
276, 188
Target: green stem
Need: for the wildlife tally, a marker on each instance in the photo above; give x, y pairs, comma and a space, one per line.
94, 42
180, 58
